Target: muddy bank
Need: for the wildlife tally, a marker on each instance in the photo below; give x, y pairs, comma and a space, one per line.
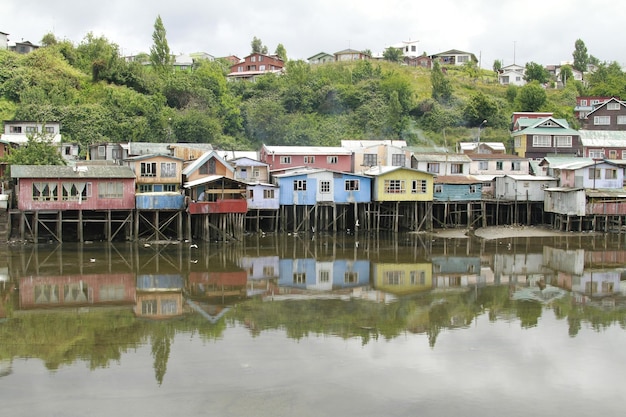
501, 232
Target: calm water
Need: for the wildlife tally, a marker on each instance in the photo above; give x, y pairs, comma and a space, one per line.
324, 326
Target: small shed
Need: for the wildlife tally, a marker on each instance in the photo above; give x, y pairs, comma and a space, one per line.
523, 187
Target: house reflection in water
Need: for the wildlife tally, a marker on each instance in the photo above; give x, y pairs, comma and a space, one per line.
76, 290
159, 296
217, 284
402, 278
310, 274
588, 274
456, 271
261, 273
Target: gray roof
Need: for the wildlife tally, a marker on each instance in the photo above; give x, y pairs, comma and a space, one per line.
442, 157
147, 148
602, 138
62, 171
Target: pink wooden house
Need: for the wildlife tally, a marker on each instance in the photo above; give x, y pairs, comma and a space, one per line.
282, 158
59, 187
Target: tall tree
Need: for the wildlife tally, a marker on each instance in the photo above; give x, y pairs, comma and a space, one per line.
581, 58
565, 74
497, 65
536, 72
281, 52
442, 90
160, 55
258, 47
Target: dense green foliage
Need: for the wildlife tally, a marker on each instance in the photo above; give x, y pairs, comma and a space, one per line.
98, 96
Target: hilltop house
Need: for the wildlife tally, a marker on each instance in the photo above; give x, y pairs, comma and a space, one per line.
254, 65
350, 55
512, 75
321, 58
585, 104
454, 57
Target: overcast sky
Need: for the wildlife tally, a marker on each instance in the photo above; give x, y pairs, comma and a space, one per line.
542, 31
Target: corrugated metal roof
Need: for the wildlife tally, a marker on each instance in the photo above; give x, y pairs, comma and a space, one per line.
62, 171
456, 179
382, 170
308, 150
442, 157
147, 148
603, 138
529, 177
558, 131
606, 192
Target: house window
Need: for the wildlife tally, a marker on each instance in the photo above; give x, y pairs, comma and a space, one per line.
516, 166
350, 277
145, 188
612, 154
101, 151
148, 307
462, 58
309, 159
285, 160
256, 173
260, 58
621, 120
251, 194
168, 169
171, 188
610, 174
418, 186
596, 153
45, 191
370, 159
483, 165
75, 191
456, 168
324, 187
612, 106
623, 154
394, 186
299, 278
563, 141
518, 142
438, 188
253, 59
268, 194
15, 129
601, 120
433, 167
583, 102
31, 129
148, 169
261, 67
299, 185
110, 190
352, 185
594, 174
324, 276
332, 159
499, 165
542, 141
268, 271
418, 277
49, 129
393, 277
473, 188
398, 160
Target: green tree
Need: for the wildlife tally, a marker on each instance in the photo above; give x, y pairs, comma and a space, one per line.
281, 52
536, 72
480, 107
39, 150
49, 39
565, 74
257, 46
441, 88
392, 54
471, 69
531, 97
580, 55
497, 65
160, 55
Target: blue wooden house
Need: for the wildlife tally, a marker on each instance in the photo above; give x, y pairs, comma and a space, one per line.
457, 188
324, 197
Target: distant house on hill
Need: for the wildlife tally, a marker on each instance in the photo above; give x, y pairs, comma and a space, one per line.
4, 40
321, 58
454, 57
548, 136
23, 47
254, 65
350, 55
585, 104
512, 75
